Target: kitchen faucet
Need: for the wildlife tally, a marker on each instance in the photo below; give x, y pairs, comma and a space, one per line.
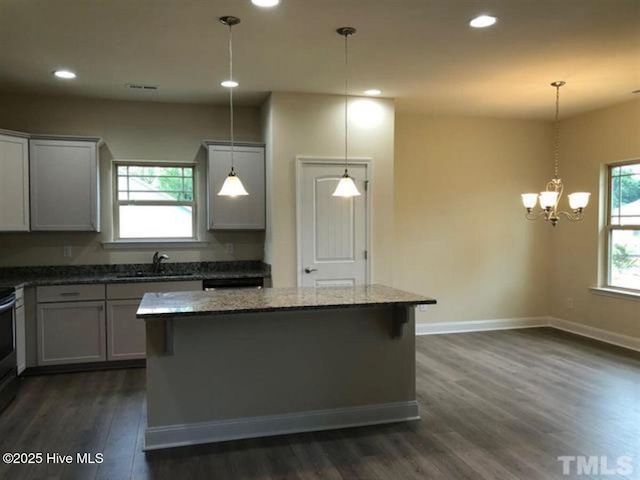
157, 261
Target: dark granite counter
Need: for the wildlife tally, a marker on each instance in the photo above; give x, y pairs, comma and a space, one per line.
178, 304
130, 273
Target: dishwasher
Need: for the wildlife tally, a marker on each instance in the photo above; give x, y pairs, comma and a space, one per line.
225, 283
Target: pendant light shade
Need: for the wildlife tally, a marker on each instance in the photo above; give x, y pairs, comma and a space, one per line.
232, 186
346, 186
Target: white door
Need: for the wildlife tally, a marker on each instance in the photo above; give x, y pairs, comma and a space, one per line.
332, 231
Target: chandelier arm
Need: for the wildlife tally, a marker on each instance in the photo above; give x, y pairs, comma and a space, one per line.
574, 217
534, 216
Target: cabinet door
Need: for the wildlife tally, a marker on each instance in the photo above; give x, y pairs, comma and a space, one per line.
64, 185
126, 337
71, 332
236, 213
14, 184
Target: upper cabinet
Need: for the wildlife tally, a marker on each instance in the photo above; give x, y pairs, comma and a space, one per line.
64, 184
236, 213
14, 182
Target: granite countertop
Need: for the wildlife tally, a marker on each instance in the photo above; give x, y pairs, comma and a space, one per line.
179, 304
130, 273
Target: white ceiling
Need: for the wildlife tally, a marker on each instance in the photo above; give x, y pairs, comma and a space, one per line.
420, 52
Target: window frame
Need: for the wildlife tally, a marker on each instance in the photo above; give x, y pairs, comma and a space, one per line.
116, 202
610, 228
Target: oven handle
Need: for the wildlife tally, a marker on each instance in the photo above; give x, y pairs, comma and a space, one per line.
7, 306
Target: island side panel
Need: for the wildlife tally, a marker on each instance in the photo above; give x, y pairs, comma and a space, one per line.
226, 367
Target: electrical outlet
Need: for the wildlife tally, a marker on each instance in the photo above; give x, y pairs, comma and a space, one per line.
228, 248
423, 308
569, 302
66, 251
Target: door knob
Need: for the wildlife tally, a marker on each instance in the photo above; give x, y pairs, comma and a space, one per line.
309, 270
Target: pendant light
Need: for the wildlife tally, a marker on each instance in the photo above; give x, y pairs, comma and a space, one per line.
232, 186
346, 186
550, 199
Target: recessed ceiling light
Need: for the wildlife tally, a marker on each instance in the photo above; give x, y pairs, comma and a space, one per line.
229, 84
373, 92
483, 21
265, 3
66, 74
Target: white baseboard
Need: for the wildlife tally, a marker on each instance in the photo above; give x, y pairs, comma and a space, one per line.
251, 427
625, 341
480, 325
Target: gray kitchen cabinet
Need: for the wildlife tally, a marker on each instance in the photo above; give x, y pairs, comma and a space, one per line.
70, 324
71, 332
64, 183
126, 334
94, 322
14, 182
243, 212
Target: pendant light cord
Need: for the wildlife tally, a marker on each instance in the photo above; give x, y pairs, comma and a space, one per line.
346, 103
231, 91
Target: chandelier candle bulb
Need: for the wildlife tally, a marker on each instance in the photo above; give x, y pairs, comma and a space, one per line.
548, 199
529, 200
578, 200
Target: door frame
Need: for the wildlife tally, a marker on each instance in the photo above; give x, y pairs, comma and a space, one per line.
301, 162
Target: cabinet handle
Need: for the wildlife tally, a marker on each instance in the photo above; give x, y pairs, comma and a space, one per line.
69, 294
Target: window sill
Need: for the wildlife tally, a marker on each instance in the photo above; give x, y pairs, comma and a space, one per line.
141, 244
616, 293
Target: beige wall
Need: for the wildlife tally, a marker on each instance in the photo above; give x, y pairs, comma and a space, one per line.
131, 130
461, 235
588, 142
313, 125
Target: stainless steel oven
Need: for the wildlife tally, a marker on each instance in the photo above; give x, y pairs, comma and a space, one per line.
8, 373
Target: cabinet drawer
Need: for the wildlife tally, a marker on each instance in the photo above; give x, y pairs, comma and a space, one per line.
126, 291
69, 293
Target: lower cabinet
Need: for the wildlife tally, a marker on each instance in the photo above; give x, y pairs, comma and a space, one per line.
95, 322
126, 338
71, 332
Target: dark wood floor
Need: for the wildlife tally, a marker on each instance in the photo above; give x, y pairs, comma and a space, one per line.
494, 405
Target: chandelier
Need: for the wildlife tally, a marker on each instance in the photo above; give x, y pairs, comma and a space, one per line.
550, 198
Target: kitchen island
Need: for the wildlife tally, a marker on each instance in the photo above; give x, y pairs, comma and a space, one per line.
231, 364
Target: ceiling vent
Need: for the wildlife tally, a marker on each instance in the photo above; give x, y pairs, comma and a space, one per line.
141, 86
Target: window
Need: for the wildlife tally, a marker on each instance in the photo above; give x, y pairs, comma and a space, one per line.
154, 201
623, 225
